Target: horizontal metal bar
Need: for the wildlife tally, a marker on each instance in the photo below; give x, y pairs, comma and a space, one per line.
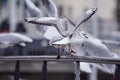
89, 59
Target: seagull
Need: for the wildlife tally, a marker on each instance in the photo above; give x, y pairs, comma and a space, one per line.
12, 39
111, 44
82, 44
62, 23
56, 22
36, 13
84, 18
51, 10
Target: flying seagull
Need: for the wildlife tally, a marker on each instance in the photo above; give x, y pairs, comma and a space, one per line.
60, 24
12, 39
111, 44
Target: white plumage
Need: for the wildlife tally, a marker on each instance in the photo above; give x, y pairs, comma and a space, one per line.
59, 24
11, 39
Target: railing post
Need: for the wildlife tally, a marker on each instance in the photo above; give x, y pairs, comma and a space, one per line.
117, 72
17, 71
44, 71
77, 70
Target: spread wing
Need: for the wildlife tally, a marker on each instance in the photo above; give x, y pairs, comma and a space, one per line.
33, 10
50, 8
85, 17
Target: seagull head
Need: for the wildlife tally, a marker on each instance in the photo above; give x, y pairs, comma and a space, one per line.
94, 9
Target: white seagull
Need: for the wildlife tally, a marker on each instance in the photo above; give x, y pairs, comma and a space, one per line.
111, 44
82, 44
51, 10
12, 39
61, 25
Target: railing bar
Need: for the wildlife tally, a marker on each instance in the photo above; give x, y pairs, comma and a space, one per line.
89, 59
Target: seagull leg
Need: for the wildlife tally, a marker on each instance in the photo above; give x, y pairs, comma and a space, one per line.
58, 54
70, 50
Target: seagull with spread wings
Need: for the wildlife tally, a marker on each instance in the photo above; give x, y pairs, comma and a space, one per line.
59, 26
83, 44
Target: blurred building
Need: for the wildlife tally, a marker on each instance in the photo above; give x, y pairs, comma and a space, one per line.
14, 11
107, 11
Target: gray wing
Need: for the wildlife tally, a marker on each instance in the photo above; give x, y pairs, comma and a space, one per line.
85, 17
50, 8
96, 48
112, 45
49, 21
34, 11
99, 50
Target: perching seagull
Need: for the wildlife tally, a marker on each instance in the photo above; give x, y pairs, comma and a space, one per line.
51, 38
12, 39
82, 44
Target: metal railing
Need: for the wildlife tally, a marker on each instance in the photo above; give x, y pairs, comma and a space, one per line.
89, 59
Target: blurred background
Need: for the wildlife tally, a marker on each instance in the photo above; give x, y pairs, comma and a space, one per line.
105, 25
